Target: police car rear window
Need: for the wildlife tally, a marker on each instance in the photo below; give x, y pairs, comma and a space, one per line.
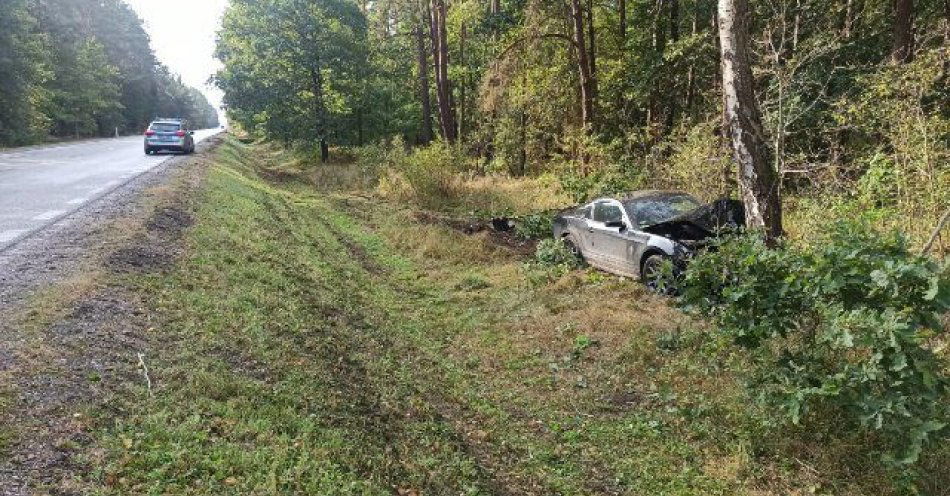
165, 127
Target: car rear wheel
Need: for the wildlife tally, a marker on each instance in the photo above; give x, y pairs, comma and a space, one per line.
573, 247
654, 277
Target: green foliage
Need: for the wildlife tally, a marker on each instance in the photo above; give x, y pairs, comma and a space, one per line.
77, 68
606, 180
296, 71
534, 226
427, 176
552, 259
85, 100
878, 185
431, 172
900, 134
22, 75
554, 253
842, 325
375, 159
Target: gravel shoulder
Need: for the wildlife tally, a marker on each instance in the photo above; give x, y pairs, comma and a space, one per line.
71, 336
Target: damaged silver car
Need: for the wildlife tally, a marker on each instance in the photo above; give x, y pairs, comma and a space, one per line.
634, 235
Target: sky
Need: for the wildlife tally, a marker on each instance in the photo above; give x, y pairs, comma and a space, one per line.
183, 34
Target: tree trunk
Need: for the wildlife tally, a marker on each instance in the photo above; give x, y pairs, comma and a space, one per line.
659, 37
622, 12
659, 44
846, 22
461, 105
691, 72
440, 52
592, 52
430, 14
903, 50
316, 80
758, 180
592, 47
450, 124
359, 125
425, 136
674, 93
495, 7
583, 66
674, 20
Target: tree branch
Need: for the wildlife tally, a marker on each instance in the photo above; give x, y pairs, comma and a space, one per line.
936, 233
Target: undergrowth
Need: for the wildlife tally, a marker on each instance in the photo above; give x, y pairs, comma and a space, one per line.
845, 328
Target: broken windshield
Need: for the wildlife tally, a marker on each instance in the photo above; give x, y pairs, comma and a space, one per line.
651, 210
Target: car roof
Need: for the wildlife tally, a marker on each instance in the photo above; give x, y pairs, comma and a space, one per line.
636, 195
646, 193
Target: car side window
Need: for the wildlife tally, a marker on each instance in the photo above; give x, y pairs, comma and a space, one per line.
607, 212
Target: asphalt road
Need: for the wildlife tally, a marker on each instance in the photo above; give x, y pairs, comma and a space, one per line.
40, 185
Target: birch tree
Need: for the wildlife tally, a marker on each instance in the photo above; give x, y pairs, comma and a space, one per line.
758, 179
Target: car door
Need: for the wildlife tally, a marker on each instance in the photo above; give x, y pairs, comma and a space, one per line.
637, 241
612, 245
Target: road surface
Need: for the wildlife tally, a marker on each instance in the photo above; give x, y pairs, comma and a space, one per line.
40, 185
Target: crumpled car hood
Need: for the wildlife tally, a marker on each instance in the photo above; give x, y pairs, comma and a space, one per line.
702, 222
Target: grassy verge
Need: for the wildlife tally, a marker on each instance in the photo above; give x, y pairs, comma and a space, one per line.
324, 343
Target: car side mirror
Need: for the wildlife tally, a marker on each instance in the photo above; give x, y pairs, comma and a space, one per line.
191, 133
616, 223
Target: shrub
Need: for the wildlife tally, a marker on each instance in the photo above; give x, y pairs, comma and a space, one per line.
553, 252
552, 259
431, 170
426, 175
603, 181
842, 325
534, 226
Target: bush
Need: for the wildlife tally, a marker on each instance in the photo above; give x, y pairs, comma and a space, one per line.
553, 252
534, 226
608, 180
552, 259
428, 175
841, 325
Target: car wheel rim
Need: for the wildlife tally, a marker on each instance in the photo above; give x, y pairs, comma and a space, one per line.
651, 276
573, 249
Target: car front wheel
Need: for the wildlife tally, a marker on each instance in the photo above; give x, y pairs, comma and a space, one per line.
655, 276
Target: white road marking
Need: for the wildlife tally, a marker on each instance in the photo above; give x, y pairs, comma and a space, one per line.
77, 201
10, 234
49, 215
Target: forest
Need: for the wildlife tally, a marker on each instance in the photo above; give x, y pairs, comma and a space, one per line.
84, 68
606, 95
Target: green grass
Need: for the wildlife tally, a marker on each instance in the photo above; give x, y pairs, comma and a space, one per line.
328, 344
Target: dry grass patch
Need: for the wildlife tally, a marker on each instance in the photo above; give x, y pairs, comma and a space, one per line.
441, 244
516, 195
